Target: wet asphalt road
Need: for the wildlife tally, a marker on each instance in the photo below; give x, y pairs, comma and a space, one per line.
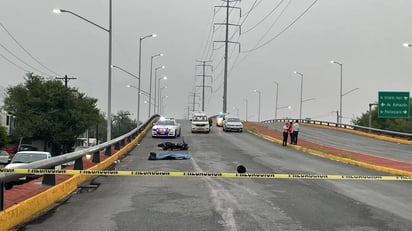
167, 203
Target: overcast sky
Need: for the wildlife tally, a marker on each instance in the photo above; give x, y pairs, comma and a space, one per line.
366, 36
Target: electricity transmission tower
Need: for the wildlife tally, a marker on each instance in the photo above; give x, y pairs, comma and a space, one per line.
203, 75
229, 5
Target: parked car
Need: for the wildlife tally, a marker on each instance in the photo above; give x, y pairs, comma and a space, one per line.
232, 123
219, 120
10, 149
166, 128
20, 159
4, 157
27, 147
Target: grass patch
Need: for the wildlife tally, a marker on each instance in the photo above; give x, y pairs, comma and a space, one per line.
344, 155
253, 130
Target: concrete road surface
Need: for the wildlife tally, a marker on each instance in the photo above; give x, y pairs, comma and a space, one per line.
167, 203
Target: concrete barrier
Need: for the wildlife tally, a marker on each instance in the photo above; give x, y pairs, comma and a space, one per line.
27, 210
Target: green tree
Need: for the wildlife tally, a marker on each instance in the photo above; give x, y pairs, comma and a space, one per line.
399, 125
46, 109
122, 123
99, 129
3, 136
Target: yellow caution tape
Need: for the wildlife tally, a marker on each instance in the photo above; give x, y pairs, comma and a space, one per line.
203, 174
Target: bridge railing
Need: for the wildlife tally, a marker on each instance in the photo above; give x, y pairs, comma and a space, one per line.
77, 157
347, 126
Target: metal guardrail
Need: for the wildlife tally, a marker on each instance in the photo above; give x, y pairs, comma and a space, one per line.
347, 126
77, 157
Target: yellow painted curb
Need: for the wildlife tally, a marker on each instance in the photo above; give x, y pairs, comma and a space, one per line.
336, 157
376, 136
34, 206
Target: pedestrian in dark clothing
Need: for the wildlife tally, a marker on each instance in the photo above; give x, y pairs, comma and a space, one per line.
285, 134
290, 130
296, 128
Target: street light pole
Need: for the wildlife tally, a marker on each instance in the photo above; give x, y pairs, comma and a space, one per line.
133, 75
354, 89
139, 80
145, 93
151, 77
157, 100
161, 98
301, 93
260, 94
155, 88
237, 111
162, 104
109, 85
340, 95
246, 108
277, 96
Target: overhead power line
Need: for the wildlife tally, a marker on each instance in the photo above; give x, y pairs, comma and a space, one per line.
21, 60
284, 30
13, 63
26, 51
264, 18
254, 5
264, 35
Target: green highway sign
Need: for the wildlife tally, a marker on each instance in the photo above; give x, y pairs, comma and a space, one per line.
393, 104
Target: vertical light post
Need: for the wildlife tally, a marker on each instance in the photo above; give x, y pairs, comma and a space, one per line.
151, 77
260, 94
109, 85
135, 76
237, 111
370, 113
285, 107
340, 91
246, 101
161, 98
155, 88
301, 92
277, 96
157, 100
145, 93
140, 68
161, 104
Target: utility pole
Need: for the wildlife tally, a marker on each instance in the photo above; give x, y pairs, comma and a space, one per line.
370, 113
194, 95
226, 41
66, 79
203, 75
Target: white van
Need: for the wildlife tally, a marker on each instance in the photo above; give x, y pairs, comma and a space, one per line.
200, 122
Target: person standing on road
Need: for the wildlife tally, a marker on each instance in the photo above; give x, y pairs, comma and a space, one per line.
291, 132
296, 128
285, 134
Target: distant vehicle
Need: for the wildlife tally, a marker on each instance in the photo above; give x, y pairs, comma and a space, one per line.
10, 149
4, 157
166, 128
20, 159
83, 143
27, 147
232, 123
219, 120
200, 122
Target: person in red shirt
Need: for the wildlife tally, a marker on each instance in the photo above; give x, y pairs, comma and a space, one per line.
290, 131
